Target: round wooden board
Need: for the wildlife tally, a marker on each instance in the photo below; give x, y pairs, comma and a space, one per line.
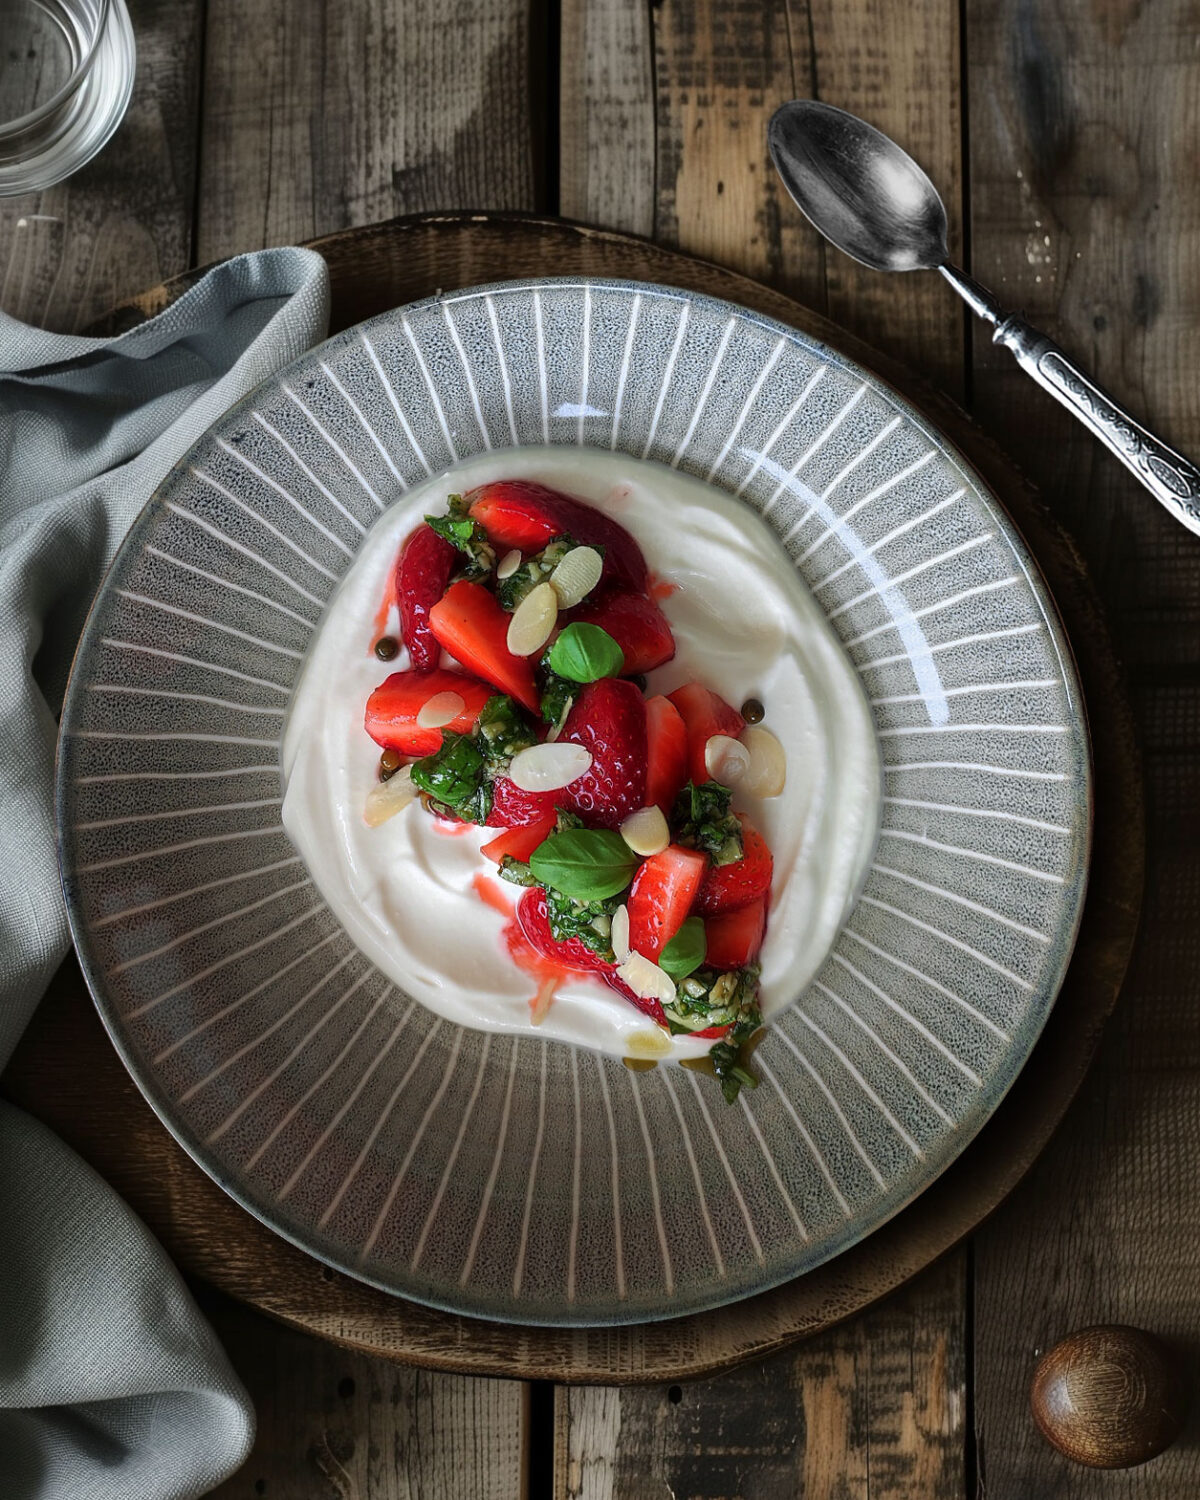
68, 1074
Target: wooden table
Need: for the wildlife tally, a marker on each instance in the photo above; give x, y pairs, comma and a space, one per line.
1063, 138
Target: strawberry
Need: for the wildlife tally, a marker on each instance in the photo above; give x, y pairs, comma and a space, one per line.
470, 624
733, 938
637, 625
666, 753
520, 842
648, 1007
422, 573
661, 897
518, 513
515, 513
392, 709
609, 719
730, 887
573, 954
705, 713
513, 808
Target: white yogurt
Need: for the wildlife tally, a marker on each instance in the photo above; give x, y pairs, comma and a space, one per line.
744, 624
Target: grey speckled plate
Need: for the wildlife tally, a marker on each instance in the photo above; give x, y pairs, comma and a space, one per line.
526, 1180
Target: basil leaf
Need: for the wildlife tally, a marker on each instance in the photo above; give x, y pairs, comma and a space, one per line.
685, 952
701, 819
454, 777
500, 731
585, 653
467, 535
586, 863
558, 696
590, 922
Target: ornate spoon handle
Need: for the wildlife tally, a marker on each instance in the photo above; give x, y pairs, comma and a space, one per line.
1171, 479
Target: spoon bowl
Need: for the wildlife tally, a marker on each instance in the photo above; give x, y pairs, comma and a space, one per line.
870, 199
858, 187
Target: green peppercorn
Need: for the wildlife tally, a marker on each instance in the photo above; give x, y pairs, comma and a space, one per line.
753, 711
386, 647
389, 764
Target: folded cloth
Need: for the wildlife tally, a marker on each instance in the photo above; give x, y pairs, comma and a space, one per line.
112, 1386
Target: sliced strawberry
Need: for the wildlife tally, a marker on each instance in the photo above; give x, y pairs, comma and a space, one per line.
637, 625
661, 897
666, 753
731, 887
648, 1007
705, 713
514, 808
733, 938
711, 1031
519, 843
422, 573
609, 719
571, 954
392, 709
516, 513
519, 513
469, 622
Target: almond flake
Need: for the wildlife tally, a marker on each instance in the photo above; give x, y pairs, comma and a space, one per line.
766, 774
618, 934
576, 576
646, 979
646, 831
546, 768
389, 797
725, 759
508, 564
440, 710
533, 620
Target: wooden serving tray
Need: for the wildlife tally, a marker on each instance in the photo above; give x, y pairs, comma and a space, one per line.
67, 1073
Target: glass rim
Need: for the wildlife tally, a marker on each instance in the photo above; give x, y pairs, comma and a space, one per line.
23, 123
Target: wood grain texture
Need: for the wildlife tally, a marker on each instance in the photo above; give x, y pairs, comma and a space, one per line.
333, 1425
606, 115
353, 112
125, 220
1086, 213
876, 1407
722, 67
66, 1068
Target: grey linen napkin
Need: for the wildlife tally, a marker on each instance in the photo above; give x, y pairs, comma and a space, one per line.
112, 1386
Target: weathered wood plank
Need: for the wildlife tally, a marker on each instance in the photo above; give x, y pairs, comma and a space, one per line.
606, 115
721, 67
125, 220
1086, 212
873, 1408
333, 1425
356, 113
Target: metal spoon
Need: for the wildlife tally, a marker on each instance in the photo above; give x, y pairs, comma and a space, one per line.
871, 200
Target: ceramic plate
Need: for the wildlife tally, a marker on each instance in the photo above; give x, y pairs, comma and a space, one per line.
523, 1179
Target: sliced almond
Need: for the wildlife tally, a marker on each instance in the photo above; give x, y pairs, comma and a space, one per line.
389, 797
440, 710
766, 774
576, 576
646, 979
556, 729
540, 1003
618, 934
508, 564
646, 831
726, 759
532, 621
546, 768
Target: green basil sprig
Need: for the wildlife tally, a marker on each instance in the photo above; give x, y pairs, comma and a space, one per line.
585, 863
685, 952
585, 653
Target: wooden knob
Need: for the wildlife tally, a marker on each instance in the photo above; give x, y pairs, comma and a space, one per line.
1109, 1396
